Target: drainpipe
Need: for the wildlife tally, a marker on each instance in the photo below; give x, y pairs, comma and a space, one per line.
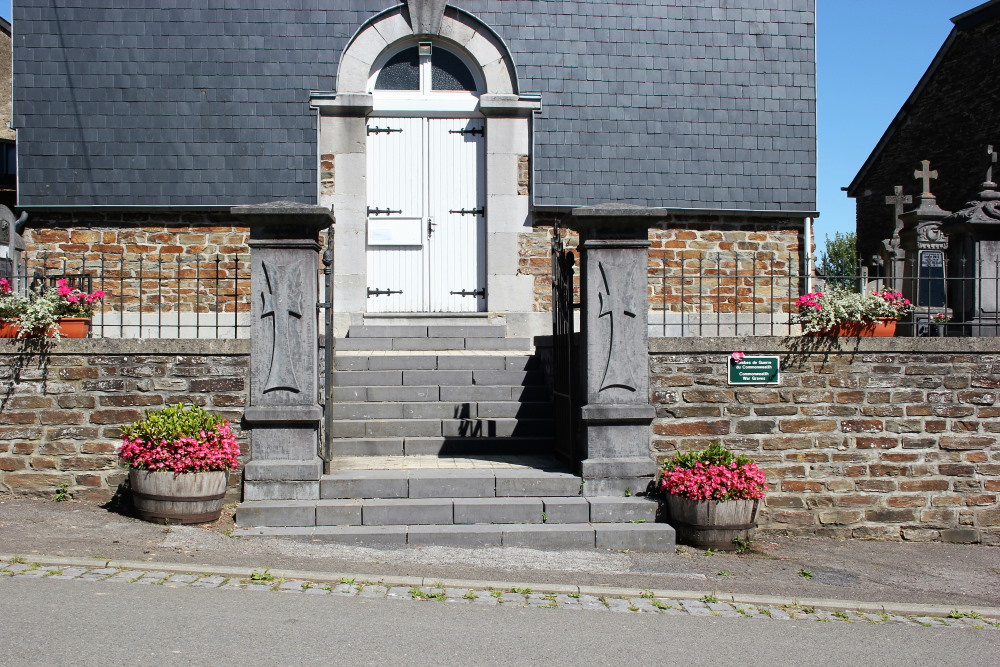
807, 232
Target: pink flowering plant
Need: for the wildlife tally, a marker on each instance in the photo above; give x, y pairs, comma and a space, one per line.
41, 310
179, 439
714, 473
12, 305
819, 311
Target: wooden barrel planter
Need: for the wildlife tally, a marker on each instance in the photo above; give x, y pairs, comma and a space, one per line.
166, 497
712, 524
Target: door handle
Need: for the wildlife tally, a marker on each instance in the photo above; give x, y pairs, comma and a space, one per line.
430, 227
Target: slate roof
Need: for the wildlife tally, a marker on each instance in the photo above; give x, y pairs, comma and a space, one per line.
677, 103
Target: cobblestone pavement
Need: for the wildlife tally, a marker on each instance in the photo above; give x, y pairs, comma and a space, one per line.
644, 603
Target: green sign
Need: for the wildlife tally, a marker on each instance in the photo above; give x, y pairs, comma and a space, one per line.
754, 370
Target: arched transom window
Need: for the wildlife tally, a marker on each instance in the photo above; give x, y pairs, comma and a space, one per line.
427, 72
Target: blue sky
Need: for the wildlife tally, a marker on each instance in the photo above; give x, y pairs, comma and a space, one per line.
870, 55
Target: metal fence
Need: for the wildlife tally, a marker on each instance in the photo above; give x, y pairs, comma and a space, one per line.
177, 297
737, 294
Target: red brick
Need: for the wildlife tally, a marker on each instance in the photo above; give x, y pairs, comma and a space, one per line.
794, 518
899, 457
923, 485
115, 416
806, 426
692, 428
875, 443
883, 470
856, 500
794, 486
907, 501
981, 499
862, 426
890, 515
992, 485
840, 517
966, 442
956, 469
880, 485
11, 463
983, 517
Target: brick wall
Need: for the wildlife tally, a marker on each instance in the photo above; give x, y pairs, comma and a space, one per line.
889, 438
60, 413
681, 247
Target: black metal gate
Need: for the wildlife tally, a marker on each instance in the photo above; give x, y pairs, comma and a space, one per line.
565, 374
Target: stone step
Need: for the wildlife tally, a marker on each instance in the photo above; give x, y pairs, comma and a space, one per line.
461, 428
449, 483
425, 378
440, 446
428, 331
652, 537
360, 361
429, 393
433, 344
442, 511
443, 410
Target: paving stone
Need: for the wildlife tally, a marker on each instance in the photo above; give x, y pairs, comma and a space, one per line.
69, 573
512, 598
292, 585
723, 609
15, 568
592, 603
373, 591
536, 483
315, 590
540, 600
365, 484
644, 605
398, 593
777, 614
126, 576
344, 589
213, 581
37, 573
617, 604
696, 608
486, 599
183, 579
102, 573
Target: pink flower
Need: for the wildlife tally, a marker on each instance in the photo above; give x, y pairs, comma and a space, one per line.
737, 356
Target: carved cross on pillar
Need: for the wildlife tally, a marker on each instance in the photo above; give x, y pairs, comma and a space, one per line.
897, 200
925, 174
618, 305
281, 304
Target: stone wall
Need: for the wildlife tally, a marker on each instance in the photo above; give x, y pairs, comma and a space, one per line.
892, 438
60, 412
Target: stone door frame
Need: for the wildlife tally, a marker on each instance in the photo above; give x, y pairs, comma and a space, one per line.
343, 158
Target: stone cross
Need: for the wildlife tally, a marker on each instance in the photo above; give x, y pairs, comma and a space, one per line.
281, 304
925, 174
897, 200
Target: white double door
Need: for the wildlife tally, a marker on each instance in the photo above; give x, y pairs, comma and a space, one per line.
426, 215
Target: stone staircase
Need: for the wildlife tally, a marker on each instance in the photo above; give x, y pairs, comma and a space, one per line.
442, 435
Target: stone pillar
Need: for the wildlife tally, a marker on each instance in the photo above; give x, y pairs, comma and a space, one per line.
614, 247
923, 242
284, 412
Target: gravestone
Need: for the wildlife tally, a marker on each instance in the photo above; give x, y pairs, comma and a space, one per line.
924, 244
974, 274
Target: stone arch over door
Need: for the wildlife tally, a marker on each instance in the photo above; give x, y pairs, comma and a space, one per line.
343, 141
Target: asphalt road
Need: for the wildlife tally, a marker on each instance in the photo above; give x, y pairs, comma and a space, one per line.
98, 623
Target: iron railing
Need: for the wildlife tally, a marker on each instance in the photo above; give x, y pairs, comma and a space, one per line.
736, 294
183, 296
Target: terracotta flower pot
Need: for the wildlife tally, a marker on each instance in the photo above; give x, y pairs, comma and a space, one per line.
882, 328
167, 497
73, 327
9, 329
711, 523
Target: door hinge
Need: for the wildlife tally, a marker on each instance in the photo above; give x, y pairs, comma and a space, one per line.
478, 292
381, 211
384, 130
383, 292
470, 211
474, 130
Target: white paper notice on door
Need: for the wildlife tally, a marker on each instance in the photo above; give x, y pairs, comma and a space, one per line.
398, 231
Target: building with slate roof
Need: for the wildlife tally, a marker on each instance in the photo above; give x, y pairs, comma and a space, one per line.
447, 139
949, 120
